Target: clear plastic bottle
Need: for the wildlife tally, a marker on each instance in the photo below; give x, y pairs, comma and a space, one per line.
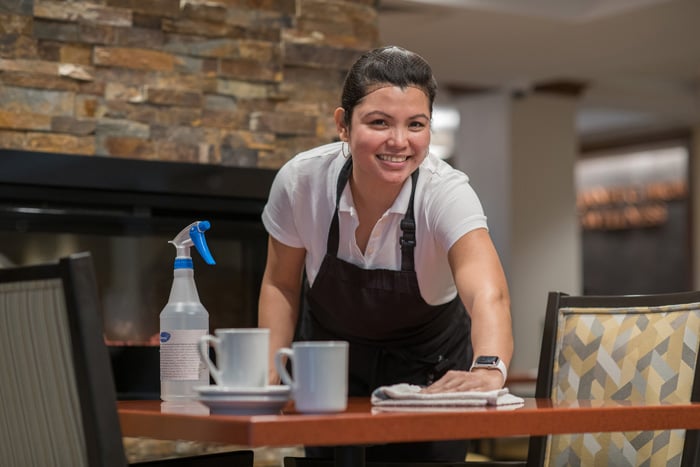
183, 321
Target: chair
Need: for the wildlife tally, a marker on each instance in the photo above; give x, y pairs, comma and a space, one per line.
636, 348
58, 398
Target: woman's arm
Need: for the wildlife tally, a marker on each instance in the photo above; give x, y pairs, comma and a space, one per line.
280, 292
482, 288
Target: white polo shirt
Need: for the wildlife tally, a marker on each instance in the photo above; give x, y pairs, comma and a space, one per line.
302, 201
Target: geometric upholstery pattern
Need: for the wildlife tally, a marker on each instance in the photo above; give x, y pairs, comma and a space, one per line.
639, 353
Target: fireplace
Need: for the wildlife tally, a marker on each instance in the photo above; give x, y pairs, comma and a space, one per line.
124, 211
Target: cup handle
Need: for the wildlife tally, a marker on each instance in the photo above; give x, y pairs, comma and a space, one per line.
204, 342
281, 369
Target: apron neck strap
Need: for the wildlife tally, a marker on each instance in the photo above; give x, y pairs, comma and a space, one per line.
408, 223
334, 230
408, 229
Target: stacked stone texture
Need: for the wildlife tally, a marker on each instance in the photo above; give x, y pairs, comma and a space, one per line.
232, 82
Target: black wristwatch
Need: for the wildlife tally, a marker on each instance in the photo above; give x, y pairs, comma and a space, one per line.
491, 362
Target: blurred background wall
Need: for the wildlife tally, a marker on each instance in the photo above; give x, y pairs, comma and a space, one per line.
562, 113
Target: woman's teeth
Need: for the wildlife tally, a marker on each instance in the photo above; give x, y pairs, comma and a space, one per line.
392, 158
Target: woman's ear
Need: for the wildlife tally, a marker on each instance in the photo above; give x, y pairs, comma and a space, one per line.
339, 116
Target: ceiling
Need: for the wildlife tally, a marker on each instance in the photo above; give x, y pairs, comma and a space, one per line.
639, 59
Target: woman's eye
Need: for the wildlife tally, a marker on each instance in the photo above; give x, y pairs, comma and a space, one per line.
378, 122
417, 125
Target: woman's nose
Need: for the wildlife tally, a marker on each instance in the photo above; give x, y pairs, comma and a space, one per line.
398, 137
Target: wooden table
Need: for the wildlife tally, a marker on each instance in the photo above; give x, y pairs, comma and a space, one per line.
362, 424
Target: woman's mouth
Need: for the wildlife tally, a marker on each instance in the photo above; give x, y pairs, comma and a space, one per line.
390, 158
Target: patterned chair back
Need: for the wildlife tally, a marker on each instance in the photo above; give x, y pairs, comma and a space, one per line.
633, 348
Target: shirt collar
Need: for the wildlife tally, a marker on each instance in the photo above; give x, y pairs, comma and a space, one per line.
400, 205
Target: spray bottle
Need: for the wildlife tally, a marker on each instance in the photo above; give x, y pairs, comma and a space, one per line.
184, 321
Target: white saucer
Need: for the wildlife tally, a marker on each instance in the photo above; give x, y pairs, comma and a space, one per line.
245, 405
215, 390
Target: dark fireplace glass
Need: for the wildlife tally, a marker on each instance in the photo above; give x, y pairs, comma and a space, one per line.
134, 274
124, 212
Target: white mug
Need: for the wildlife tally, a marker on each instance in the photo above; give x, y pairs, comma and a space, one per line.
320, 369
241, 356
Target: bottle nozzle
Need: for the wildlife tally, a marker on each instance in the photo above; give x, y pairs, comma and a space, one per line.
197, 235
193, 234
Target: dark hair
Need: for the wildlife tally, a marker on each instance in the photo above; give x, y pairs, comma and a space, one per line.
386, 65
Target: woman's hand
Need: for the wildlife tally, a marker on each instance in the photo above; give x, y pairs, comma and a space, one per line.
273, 378
483, 289
480, 379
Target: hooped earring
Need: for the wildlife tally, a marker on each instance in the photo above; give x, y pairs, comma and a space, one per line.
342, 150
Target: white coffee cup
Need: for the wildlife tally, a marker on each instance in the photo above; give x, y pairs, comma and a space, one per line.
320, 369
241, 356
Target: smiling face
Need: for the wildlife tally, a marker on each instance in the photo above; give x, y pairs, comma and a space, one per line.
388, 136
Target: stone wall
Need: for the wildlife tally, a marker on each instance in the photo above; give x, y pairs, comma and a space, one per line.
233, 82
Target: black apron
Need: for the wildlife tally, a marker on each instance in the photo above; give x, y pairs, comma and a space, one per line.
394, 335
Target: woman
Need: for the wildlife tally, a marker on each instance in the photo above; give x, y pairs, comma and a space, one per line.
394, 246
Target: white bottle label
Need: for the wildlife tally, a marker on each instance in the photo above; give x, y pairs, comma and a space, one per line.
179, 354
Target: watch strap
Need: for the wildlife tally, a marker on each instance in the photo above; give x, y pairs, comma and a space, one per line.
499, 365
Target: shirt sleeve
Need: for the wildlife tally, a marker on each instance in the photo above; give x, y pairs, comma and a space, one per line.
278, 214
454, 209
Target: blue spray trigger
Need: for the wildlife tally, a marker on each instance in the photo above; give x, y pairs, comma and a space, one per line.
197, 237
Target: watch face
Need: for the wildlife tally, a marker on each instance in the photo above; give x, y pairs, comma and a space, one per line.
486, 360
